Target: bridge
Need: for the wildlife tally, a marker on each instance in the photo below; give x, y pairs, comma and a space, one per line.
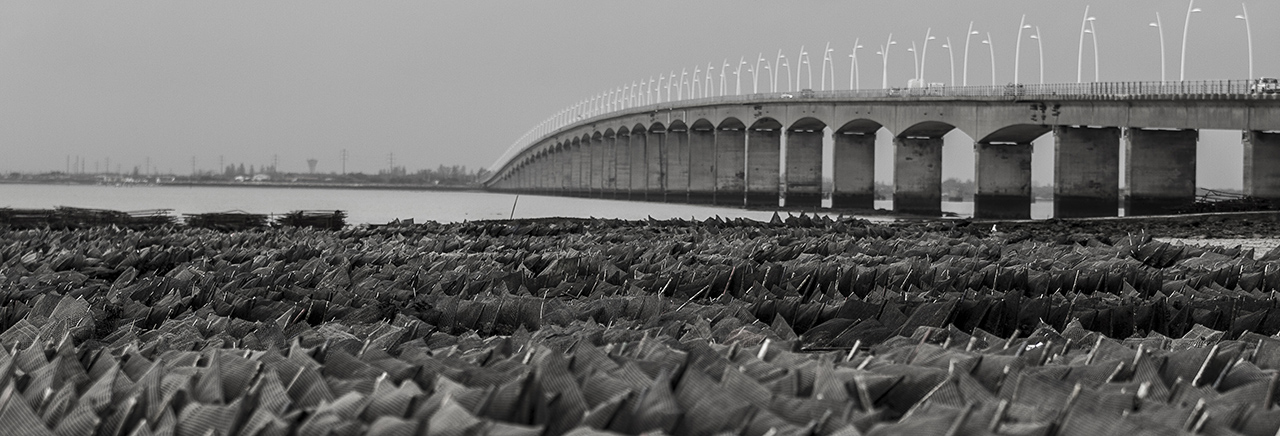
766, 150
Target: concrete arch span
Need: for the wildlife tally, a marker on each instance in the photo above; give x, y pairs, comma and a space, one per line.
802, 172
853, 153
763, 162
917, 167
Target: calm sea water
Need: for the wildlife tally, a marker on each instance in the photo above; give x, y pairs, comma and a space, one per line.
378, 206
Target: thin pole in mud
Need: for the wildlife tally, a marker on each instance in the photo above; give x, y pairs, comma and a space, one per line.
513, 207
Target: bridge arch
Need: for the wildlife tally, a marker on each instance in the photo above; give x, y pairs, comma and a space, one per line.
803, 169
764, 155
853, 156
693, 167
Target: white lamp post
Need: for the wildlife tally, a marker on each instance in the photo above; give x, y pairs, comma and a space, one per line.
965, 74
924, 51
854, 80
1182, 73
708, 89
801, 61
773, 82
1017, 48
1249, 35
755, 74
693, 83
1160, 28
951, 58
1093, 35
680, 88
778, 62
990, 44
659, 92
884, 62
1087, 20
1040, 51
670, 79
915, 55
737, 75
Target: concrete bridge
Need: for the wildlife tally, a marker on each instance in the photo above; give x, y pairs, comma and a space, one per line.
767, 149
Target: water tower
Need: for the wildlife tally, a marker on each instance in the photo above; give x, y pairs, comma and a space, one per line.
311, 163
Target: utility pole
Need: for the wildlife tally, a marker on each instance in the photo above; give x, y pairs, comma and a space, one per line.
391, 163
344, 161
275, 162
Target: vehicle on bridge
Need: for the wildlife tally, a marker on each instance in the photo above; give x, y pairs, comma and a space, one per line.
1265, 85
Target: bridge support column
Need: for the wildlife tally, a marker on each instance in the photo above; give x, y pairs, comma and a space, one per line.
1161, 174
622, 167
855, 171
731, 177
597, 166
804, 168
564, 171
574, 181
917, 175
1003, 173
639, 166
1086, 172
764, 154
656, 159
1262, 165
701, 162
677, 165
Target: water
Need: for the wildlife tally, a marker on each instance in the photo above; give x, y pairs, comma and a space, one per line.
380, 206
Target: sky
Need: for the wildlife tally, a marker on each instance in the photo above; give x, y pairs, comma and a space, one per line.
419, 84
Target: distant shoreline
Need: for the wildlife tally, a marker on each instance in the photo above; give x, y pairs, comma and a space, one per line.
369, 186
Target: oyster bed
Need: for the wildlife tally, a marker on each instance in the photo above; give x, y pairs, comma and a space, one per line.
548, 327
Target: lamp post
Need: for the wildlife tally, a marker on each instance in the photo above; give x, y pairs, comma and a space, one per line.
708, 90
737, 76
680, 89
1093, 35
924, 51
723, 69
1080, 54
951, 58
1182, 73
1040, 51
1017, 48
773, 83
915, 55
884, 62
658, 99
990, 44
801, 61
1160, 28
965, 74
670, 79
855, 79
693, 83
778, 64
826, 57
1249, 35
755, 74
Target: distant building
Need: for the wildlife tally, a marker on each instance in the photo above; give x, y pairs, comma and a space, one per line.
261, 177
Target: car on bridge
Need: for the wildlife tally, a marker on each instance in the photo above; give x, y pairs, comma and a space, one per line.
1265, 85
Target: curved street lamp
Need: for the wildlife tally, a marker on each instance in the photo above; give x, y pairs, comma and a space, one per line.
1017, 48
708, 90
853, 68
801, 61
1249, 35
1080, 54
670, 79
965, 74
773, 82
737, 75
884, 62
826, 60
680, 89
923, 52
777, 63
951, 57
915, 55
1160, 27
755, 75
1040, 51
1182, 73
1093, 35
992, 46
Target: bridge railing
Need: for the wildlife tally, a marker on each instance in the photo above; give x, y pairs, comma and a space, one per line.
1204, 89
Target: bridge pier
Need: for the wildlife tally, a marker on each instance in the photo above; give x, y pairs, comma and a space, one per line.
597, 165
764, 154
1161, 174
701, 171
731, 178
917, 175
855, 171
609, 167
1003, 179
639, 165
677, 165
575, 152
804, 168
622, 166
1262, 165
656, 159
1086, 171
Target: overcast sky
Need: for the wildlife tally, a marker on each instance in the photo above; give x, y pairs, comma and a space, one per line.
456, 82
